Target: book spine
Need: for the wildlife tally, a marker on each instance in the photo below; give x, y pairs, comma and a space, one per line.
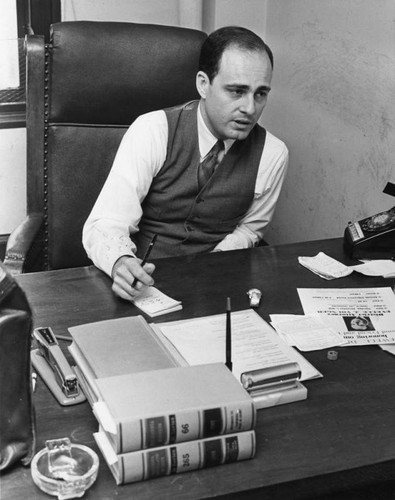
187, 425
184, 457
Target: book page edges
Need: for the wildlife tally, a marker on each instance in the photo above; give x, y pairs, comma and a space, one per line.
129, 467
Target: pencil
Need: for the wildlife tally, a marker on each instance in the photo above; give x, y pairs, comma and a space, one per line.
146, 255
228, 335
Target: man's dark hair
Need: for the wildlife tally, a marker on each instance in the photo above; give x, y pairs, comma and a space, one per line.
216, 43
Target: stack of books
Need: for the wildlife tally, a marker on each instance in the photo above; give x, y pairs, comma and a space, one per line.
156, 418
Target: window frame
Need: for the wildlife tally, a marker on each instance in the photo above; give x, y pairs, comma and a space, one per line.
32, 16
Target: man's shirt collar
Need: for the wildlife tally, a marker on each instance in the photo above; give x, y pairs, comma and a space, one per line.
206, 138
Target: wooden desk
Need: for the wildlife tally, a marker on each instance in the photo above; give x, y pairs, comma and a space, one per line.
341, 438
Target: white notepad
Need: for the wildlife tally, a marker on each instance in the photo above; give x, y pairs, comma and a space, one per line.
155, 303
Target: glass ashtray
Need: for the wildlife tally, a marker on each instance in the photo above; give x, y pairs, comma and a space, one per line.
64, 469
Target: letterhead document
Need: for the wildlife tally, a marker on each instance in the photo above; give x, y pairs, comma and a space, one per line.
255, 344
360, 315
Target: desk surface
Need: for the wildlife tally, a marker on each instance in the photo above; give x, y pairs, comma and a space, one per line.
341, 437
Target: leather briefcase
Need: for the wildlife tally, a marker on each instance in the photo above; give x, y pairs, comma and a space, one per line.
17, 426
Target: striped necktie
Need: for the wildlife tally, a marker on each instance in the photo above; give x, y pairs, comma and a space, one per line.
208, 165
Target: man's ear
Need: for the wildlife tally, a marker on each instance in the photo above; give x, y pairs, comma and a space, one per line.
202, 82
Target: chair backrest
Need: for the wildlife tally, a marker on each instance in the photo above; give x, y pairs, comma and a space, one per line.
84, 89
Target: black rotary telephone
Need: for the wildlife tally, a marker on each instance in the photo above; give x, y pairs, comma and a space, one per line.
374, 236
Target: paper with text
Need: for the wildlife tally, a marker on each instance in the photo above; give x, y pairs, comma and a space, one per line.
325, 266
360, 315
255, 344
154, 302
307, 333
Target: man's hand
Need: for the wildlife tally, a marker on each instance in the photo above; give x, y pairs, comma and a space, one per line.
126, 269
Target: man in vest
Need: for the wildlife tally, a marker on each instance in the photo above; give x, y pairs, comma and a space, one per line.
202, 176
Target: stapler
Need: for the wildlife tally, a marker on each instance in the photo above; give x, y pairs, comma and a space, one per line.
53, 367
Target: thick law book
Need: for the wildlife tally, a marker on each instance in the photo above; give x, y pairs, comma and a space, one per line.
115, 347
174, 459
162, 407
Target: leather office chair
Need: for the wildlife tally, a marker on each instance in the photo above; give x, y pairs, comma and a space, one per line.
83, 91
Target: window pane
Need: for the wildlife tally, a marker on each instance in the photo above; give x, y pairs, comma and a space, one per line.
9, 54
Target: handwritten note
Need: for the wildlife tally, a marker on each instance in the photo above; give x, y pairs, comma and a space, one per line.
325, 266
155, 303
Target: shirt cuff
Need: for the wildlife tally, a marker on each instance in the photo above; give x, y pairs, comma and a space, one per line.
237, 241
116, 248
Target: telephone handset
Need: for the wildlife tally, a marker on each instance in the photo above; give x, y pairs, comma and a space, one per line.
373, 237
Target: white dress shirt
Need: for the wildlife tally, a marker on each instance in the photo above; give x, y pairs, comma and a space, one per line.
141, 154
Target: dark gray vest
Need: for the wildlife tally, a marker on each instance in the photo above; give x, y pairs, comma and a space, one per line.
186, 219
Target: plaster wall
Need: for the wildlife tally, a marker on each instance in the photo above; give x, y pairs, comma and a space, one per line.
333, 103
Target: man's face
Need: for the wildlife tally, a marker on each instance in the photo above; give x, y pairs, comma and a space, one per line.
233, 102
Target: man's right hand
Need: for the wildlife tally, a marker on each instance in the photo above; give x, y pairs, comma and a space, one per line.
126, 269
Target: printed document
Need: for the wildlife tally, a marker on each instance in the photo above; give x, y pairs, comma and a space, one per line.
360, 315
307, 333
255, 344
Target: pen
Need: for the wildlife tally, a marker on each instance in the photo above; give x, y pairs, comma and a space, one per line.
34, 381
145, 258
228, 336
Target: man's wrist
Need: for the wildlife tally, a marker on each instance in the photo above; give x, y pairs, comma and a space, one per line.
118, 262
